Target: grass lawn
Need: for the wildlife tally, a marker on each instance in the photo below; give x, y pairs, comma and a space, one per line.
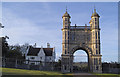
107, 75
11, 72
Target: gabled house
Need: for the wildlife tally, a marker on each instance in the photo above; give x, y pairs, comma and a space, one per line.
44, 55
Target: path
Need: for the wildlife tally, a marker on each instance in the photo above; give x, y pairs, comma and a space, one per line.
83, 75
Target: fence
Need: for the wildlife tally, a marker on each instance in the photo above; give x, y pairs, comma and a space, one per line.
53, 66
30, 65
111, 68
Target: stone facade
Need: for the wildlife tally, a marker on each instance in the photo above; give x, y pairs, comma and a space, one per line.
86, 38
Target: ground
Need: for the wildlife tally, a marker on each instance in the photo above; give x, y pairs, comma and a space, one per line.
11, 72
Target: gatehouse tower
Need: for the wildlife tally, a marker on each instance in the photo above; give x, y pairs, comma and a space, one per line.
86, 38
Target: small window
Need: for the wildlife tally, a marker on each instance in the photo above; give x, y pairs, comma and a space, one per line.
95, 19
32, 57
32, 63
65, 67
96, 67
65, 19
95, 23
50, 58
96, 52
99, 60
65, 51
96, 35
40, 57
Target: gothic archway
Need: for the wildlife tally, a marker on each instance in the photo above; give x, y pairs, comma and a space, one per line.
85, 49
86, 38
80, 61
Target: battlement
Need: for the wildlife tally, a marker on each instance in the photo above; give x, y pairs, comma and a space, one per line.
79, 27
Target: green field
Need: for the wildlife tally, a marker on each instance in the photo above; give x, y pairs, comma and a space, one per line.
108, 75
11, 72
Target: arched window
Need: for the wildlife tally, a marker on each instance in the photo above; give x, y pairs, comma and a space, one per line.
96, 35
95, 19
65, 19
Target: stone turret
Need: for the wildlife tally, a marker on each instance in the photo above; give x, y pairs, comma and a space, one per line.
95, 40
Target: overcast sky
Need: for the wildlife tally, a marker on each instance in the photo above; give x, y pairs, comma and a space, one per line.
37, 22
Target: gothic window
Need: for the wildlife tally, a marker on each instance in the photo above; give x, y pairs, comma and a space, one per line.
99, 49
65, 19
96, 67
94, 61
95, 23
99, 60
68, 41
96, 51
68, 34
65, 51
95, 19
65, 23
73, 36
99, 35
65, 35
96, 35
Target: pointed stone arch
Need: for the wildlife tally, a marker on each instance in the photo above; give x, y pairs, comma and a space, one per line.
78, 47
87, 50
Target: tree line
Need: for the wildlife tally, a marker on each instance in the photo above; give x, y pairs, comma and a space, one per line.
13, 51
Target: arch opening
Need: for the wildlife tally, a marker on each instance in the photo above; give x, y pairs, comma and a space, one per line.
80, 56
80, 60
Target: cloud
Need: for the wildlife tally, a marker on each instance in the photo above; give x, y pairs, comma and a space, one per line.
38, 26
21, 30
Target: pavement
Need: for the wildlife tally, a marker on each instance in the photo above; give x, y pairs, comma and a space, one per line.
83, 75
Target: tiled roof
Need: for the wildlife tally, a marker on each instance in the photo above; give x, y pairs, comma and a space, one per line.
48, 51
34, 51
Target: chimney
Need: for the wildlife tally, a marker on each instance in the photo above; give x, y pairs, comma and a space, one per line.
35, 45
48, 45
